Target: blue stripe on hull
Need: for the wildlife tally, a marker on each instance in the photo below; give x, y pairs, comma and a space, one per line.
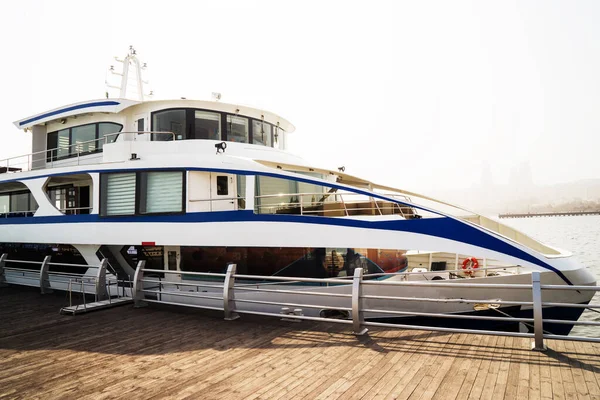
446, 228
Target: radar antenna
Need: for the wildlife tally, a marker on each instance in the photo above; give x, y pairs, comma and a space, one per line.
131, 78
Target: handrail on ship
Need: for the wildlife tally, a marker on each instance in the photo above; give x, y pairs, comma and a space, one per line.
317, 205
15, 167
356, 310
307, 207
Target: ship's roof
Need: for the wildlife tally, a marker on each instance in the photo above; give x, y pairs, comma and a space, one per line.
114, 106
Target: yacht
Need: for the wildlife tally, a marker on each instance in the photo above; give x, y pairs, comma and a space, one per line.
192, 186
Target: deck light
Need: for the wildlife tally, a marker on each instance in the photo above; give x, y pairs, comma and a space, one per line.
221, 147
342, 169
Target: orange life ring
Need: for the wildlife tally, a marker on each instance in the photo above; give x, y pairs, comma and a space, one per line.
469, 264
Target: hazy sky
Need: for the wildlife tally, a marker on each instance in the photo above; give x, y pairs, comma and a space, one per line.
420, 95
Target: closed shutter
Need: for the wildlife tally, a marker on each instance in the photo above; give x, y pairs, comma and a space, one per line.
164, 192
120, 194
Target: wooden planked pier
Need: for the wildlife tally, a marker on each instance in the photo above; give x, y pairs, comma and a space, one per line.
161, 352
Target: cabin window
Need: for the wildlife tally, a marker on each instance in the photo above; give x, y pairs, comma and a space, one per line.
261, 133
118, 194
84, 138
108, 129
237, 129
18, 204
4, 203
207, 125
222, 185
286, 196
169, 121
150, 192
63, 143
79, 139
161, 192
22, 203
16, 201
241, 191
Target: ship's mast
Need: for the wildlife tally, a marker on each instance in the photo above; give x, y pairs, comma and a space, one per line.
131, 75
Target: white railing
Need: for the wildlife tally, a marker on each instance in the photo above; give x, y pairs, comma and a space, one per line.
72, 153
225, 283
329, 204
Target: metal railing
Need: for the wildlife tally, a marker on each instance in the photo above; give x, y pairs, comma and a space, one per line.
509, 269
225, 289
81, 283
329, 204
41, 277
47, 158
15, 214
31, 213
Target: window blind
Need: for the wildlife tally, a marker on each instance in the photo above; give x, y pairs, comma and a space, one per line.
164, 192
120, 194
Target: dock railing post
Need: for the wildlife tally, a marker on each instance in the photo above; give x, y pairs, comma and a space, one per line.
538, 323
44, 277
357, 315
138, 286
3, 258
101, 293
228, 296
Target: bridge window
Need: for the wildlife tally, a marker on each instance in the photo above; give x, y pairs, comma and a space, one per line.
207, 125
237, 129
262, 133
169, 121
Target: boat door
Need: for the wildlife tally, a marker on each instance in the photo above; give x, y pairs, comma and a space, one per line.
172, 262
139, 123
223, 193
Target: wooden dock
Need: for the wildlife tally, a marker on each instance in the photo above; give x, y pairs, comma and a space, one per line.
158, 352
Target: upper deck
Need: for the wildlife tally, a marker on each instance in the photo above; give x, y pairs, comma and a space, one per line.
76, 134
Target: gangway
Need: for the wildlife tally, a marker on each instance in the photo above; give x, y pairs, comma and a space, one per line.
107, 289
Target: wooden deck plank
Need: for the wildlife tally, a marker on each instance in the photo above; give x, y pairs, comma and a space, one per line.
399, 378
174, 353
430, 384
459, 382
590, 369
393, 360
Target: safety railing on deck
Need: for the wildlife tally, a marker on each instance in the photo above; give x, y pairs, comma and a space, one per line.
330, 204
224, 289
71, 155
96, 284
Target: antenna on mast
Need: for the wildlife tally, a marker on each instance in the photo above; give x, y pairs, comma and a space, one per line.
131, 77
